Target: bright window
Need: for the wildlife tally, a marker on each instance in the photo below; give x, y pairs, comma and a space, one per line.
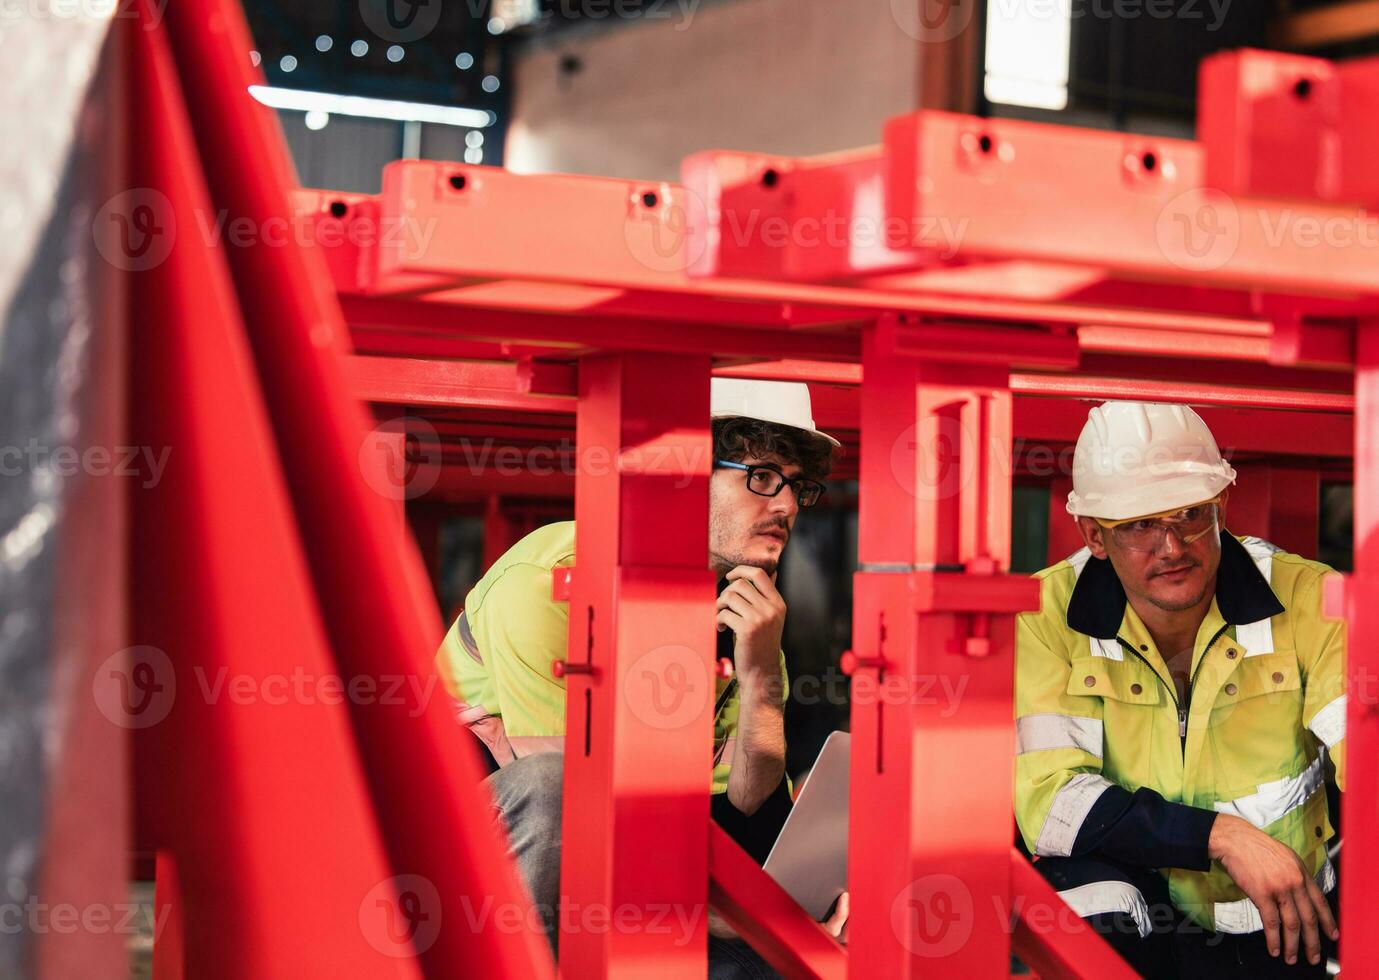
1027, 52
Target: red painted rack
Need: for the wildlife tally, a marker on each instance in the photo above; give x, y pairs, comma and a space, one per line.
953, 296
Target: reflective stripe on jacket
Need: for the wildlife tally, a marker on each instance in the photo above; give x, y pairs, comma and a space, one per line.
1108, 761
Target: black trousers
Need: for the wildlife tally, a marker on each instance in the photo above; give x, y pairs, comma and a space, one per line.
1175, 946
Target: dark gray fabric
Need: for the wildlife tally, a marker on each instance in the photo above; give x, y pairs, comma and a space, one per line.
526, 798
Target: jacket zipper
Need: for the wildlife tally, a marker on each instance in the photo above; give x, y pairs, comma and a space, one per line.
1172, 694
1182, 713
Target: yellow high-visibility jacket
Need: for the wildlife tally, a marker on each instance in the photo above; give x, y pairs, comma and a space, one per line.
1109, 763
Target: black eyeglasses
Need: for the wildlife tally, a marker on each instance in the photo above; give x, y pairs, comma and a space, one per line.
767, 481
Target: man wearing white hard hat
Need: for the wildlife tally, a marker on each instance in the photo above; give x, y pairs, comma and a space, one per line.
769, 461
1177, 697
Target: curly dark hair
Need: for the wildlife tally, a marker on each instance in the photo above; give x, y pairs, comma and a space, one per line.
735, 438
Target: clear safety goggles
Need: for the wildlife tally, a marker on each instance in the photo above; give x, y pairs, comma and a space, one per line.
1149, 533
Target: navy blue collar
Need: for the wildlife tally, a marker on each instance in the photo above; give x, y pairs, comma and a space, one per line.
1097, 606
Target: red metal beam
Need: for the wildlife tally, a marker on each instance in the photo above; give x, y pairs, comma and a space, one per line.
1239, 430
1083, 386
399, 343
1250, 374
933, 601
1141, 205
413, 381
576, 330
638, 676
1359, 923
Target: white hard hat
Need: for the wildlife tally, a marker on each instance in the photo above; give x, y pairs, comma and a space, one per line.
781, 402
1138, 458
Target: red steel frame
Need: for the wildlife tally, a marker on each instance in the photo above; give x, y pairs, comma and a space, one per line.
533, 298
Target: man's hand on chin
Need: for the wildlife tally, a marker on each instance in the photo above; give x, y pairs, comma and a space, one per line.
751, 607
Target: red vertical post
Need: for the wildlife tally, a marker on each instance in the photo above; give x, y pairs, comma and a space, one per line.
1064, 537
1295, 520
1360, 802
933, 638
425, 521
1278, 503
501, 531
169, 943
1250, 507
640, 684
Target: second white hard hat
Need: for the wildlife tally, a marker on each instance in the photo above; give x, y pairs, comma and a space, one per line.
1138, 458
781, 402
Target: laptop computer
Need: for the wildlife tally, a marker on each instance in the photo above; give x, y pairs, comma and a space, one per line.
810, 857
